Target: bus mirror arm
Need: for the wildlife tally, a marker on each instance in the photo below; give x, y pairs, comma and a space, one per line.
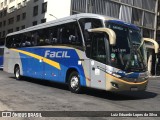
156, 45
109, 32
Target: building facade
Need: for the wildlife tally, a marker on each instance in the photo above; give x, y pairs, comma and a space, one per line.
158, 37
158, 22
139, 12
19, 14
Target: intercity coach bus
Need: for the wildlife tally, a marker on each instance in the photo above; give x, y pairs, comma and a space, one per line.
83, 50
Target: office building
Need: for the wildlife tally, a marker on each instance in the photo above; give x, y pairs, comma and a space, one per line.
19, 14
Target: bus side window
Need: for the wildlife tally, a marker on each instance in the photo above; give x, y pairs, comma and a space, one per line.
64, 34
40, 37
53, 35
13, 44
26, 40
8, 42
17, 42
34, 38
70, 34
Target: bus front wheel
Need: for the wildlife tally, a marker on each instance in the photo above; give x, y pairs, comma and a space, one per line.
74, 82
17, 72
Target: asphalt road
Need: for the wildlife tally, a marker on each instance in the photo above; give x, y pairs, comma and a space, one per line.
37, 95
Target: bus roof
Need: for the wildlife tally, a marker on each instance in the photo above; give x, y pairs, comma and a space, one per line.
70, 19
124, 24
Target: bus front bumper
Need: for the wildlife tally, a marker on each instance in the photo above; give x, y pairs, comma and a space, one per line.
118, 84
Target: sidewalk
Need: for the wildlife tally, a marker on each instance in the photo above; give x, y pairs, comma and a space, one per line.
154, 77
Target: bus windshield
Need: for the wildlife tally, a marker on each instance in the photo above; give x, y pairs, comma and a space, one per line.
129, 52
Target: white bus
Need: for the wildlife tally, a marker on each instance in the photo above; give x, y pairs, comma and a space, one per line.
86, 50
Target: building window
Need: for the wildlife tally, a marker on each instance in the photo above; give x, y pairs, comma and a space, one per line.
113, 9
125, 13
34, 23
130, 2
148, 33
1, 14
35, 10
149, 20
149, 5
0, 24
1, 4
18, 18
17, 28
11, 9
23, 16
11, 21
5, 12
4, 23
5, 2
24, 2
44, 7
10, 30
11, 1
23, 27
4, 33
19, 6
137, 16
43, 20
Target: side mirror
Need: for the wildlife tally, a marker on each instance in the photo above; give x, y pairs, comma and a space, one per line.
156, 45
109, 32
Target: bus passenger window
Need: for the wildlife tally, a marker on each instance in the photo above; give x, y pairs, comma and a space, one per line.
70, 34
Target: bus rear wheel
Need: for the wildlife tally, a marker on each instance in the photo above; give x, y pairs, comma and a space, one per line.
17, 72
74, 82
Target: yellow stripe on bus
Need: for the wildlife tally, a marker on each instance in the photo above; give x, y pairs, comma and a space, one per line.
120, 80
48, 61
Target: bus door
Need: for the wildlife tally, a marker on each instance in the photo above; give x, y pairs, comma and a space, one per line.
98, 61
36, 65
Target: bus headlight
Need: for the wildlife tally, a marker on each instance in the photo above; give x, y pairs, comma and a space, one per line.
116, 75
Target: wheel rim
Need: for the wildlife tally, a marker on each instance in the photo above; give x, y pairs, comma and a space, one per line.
17, 73
74, 82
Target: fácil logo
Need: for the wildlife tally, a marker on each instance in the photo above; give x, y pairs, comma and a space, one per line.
57, 54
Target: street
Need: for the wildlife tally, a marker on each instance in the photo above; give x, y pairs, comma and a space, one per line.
38, 95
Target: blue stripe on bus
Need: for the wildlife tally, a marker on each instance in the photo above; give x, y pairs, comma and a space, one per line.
35, 68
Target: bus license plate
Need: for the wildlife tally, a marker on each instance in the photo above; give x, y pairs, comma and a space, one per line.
134, 89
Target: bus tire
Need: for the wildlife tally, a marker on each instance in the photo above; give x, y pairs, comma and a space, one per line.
17, 72
74, 82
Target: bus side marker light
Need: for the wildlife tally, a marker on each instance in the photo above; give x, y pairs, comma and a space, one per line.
79, 62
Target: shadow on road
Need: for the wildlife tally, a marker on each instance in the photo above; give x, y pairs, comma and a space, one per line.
120, 96
117, 96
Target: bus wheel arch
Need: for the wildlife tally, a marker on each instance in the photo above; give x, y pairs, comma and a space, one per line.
73, 80
17, 72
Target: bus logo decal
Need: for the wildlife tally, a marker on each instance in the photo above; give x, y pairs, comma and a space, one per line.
58, 54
